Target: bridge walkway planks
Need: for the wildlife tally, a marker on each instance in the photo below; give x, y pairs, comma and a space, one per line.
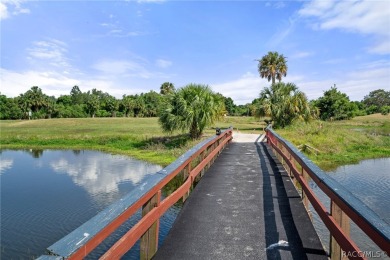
244, 204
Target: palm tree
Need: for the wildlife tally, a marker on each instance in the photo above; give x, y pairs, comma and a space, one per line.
284, 103
36, 98
111, 105
192, 108
24, 104
273, 66
93, 104
167, 88
128, 104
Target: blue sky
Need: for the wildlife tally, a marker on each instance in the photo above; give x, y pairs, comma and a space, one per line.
129, 47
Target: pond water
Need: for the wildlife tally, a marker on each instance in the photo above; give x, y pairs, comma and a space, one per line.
47, 194
369, 181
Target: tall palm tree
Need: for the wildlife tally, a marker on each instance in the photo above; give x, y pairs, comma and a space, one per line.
167, 88
93, 104
128, 104
273, 66
284, 103
36, 98
192, 108
24, 104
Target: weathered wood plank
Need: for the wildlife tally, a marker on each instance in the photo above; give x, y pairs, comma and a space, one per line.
342, 219
149, 241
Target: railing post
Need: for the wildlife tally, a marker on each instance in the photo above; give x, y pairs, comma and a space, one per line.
293, 165
208, 151
149, 240
212, 149
202, 156
343, 221
186, 173
306, 177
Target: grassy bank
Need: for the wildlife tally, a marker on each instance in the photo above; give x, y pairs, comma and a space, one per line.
342, 142
339, 143
141, 138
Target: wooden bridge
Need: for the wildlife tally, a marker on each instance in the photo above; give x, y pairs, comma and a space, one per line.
251, 203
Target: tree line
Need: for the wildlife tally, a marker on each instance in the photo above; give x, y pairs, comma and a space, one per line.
195, 106
34, 104
333, 105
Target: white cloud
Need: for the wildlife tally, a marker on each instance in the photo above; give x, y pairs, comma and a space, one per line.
279, 5
3, 11
382, 47
12, 7
115, 30
300, 55
276, 4
52, 83
242, 90
163, 63
52, 71
123, 68
316, 8
55, 84
334, 61
50, 52
356, 84
48, 49
121, 34
115, 77
288, 28
365, 17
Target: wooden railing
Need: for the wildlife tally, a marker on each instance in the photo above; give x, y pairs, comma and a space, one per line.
344, 205
191, 165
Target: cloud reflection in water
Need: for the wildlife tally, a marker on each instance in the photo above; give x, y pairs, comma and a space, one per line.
5, 164
102, 173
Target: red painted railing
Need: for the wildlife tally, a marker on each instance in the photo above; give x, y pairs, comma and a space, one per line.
147, 197
344, 206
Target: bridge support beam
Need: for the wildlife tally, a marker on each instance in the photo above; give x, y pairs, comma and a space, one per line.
343, 220
186, 174
149, 240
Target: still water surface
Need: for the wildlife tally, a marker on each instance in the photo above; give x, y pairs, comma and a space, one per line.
369, 181
47, 194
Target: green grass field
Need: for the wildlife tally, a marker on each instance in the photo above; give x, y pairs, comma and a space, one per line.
343, 142
141, 138
339, 142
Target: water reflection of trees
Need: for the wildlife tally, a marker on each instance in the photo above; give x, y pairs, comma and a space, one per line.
35, 153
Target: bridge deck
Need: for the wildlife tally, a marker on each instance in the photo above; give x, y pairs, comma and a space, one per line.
243, 205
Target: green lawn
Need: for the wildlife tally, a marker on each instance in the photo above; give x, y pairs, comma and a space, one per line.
339, 142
